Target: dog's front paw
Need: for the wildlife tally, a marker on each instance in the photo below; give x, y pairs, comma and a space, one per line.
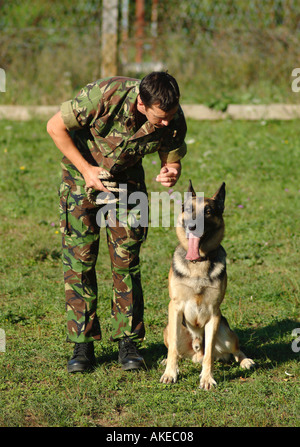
207, 382
169, 377
247, 363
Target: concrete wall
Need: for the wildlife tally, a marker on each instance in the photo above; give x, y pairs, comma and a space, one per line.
197, 112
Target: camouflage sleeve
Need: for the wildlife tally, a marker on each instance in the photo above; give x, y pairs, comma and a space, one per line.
173, 147
68, 116
174, 155
84, 108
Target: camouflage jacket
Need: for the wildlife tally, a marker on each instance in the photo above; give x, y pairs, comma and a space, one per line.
103, 123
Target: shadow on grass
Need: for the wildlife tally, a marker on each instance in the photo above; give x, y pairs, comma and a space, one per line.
261, 344
266, 345
107, 355
154, 354
272, 342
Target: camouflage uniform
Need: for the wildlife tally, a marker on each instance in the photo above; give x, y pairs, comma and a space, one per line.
103, 124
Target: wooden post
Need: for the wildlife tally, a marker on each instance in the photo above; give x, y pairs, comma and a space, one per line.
139, 32
109, 38
124, 30
154, 26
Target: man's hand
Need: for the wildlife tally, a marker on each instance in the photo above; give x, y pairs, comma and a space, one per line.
169, 174
90, 175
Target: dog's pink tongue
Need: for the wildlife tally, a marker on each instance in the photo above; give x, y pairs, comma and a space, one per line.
193, 248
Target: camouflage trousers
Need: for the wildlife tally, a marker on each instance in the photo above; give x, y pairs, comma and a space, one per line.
80, 242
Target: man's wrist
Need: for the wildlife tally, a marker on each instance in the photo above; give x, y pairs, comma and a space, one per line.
174, 164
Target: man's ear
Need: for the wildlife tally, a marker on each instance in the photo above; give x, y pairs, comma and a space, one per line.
140, 105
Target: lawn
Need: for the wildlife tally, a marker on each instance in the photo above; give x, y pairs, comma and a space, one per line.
260, 163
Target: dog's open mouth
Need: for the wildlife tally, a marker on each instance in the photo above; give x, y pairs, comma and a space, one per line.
193, 247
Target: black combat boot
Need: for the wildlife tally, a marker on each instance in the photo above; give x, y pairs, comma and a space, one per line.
129, 356
83, 357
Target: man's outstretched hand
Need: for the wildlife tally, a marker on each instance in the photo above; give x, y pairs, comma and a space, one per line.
169, 174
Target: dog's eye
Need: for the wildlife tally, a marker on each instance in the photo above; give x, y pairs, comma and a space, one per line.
207, 210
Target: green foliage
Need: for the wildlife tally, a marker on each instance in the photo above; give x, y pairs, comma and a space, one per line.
221, 52
260, 164
232, 51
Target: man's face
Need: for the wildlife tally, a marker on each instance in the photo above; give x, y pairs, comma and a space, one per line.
156, 116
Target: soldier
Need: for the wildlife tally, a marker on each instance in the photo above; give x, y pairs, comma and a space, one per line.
108, 128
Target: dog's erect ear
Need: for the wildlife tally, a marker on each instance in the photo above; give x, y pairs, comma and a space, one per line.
187, 197
219, 196
191, 189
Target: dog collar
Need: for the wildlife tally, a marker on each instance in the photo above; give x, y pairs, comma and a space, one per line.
209, 256
201, 259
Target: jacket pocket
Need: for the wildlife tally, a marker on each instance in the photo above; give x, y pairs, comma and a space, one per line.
107, 144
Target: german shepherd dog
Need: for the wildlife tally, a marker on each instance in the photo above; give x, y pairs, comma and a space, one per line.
197, 284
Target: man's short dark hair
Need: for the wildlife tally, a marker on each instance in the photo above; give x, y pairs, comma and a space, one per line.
160, 88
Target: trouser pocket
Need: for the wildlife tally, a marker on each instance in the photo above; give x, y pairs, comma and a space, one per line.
64, 193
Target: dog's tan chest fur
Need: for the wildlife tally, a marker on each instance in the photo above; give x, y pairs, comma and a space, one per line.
197, 303
195, 296
196, 311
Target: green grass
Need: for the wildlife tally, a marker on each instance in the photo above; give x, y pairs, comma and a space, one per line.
260, 164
